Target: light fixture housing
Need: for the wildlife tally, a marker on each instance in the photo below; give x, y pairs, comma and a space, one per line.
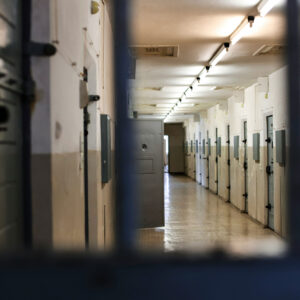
219, 55
242, 30
265, 6
203, 73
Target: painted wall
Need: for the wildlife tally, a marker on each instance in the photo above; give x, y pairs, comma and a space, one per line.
253, 105
82, 40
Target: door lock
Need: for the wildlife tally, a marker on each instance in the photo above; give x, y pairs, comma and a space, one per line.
269, 206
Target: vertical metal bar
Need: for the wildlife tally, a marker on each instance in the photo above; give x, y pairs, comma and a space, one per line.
125, 224
26, 121
294, 126
86, 176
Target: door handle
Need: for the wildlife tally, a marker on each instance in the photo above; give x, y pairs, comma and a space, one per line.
269, 206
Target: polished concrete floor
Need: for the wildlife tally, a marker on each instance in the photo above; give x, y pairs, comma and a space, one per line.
196, 220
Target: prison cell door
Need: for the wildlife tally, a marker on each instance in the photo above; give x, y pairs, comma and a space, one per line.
200, 158
148, 152
217, 164
270, 172
207, 157
245, 195
228, 162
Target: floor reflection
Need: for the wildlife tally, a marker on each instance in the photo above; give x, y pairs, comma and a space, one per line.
198, 221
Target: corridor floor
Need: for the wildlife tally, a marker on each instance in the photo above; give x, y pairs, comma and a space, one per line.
196, 220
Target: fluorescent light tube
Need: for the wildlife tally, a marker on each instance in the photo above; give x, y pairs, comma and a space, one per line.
242, 30
265, 6
166, 105
219, 55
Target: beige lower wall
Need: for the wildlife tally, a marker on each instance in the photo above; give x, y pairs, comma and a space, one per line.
58, 203
68, 201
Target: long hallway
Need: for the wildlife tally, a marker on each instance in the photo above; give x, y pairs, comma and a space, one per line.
196, 220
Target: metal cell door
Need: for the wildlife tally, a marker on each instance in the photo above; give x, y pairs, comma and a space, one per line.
200, 159
270, 171
11, 200
149, 172
217, 164
228, 162
245, 195
207, 157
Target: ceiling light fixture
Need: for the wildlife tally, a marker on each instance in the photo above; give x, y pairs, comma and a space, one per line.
220, 54
242, 30
265, 6
203, 73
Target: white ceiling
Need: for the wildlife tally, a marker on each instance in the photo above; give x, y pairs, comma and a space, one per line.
199, 27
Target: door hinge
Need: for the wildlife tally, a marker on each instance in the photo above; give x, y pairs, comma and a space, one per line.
244, 141
245, 166
245, 195
228, 187
228, 162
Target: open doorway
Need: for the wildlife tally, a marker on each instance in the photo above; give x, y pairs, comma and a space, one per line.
166, 154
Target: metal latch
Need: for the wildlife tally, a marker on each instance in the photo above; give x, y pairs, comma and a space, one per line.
269, 206
269, 170
268, 140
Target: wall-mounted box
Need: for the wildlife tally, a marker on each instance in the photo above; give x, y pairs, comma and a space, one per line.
236, 147
209, 147
105, 148
280, 147
256, 146
219, 146
203, 146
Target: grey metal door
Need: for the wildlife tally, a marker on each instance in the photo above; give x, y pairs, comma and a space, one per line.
11, 202
245, 166
200, 159
228, 161
149, 172
270, 172
207, 157
217, 164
